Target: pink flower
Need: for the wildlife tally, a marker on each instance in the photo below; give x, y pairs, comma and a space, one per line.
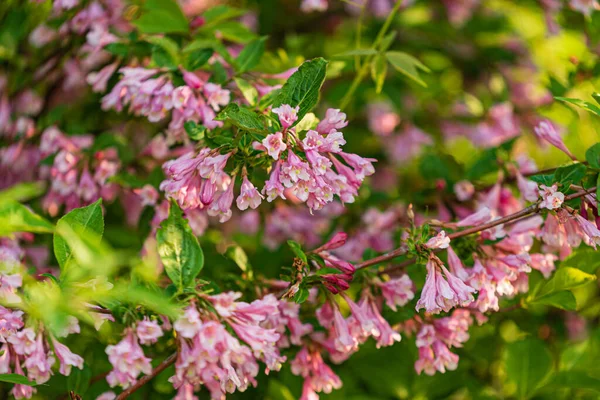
310, 6
342, 339
287, 115
338, 240
273, 187
274, 144
148, 331
66, 358
551, 199
543, 263
249, 196
23, 342
21, 391
148, 194
439, 241
128, 361
189, 324
39, 363
397, 292
546, 131
591, 233
464, 190
107, 396
528, 188
100, 79
334, 120
222, 206
216, 96
439, 294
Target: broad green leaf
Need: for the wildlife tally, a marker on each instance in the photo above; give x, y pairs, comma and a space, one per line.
302, 88
592, 156
238, 255
564, 300
565, 278
79, 380
301, 295
547, 179
152, 298
527, 364
16, 379
85, 220
234, 32
248, 91
165, 52
378, 72
197, 58
583, 258
407, 65
179, 249
297, 249
569, 174
219, 13
162, 16
328, 270
357, 52
15, 217
241, 117
22, 191
250, 55
580, 103
575, 380
194, 131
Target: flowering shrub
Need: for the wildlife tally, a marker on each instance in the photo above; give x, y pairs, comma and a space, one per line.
376, 199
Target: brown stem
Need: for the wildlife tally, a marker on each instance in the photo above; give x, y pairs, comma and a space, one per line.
532, 209
145, 379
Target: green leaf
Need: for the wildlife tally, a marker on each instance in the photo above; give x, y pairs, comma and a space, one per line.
219, 13
297, 249
250, 55
564, 300
580, 103
547, 179
574, 380
248, 91
328, 270
407, 65
16, 379
79, 380
378, 72
356, 52
241, 117
302, 88
592, 156
197, 58
234, 32
194, 131
179, 249
162, 16
15, 217
301, 295
565, 278
583, 258
527, 364
22, 191
569, 174
165, 52
238, 255
85, 220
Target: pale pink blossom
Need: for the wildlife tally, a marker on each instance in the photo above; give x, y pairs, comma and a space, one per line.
148, 331
287, 115
551, 198
274, 144
439, 241
397, 292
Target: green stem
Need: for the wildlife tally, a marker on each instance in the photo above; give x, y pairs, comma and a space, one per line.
364, 69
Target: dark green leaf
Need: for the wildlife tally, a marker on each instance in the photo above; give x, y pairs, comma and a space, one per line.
197, 58
179, 249
241, 117
301, 295
302, 88
592, 156
16, 379
570, 174
194, 131
297, 249
219, 13
250, 55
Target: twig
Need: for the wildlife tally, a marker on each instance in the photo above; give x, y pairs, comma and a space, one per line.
145, 379
532, 209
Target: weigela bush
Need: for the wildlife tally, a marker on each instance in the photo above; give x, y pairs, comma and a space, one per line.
299, 199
